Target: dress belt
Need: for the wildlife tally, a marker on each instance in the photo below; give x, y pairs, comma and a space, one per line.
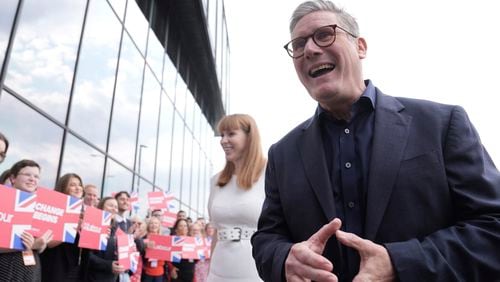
235, 234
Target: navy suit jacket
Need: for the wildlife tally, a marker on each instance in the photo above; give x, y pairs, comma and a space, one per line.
433, 195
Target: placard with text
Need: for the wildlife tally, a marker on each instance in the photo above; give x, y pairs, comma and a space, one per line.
95, 229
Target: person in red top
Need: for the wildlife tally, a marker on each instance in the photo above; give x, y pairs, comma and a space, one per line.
153, 269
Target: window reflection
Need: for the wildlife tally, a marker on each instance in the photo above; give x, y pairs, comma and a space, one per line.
149, 125
117, 178
180, 95
177, 154
126, 107
44, 53
7, 14
83, 160
164, 143
118, 7
136, 25
144, 188
188, 116
195, 171
95, 79
155, 55
169, 77
187, 168
31, 136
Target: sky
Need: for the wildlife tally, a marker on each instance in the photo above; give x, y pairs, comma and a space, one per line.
445, 51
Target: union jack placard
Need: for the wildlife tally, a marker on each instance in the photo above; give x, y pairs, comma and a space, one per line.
95, 227
57, 212
16, 214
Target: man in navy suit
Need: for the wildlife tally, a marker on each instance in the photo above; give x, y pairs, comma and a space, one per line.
373, 187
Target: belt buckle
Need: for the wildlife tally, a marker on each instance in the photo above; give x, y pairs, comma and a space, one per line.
239, 236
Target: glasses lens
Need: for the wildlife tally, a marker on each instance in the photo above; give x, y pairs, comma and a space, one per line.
324, 36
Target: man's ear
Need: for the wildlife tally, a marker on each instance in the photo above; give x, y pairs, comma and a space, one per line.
362, 47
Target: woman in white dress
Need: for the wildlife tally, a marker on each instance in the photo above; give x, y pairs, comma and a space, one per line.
235, 202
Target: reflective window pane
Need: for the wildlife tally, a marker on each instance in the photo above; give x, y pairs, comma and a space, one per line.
118, 7
44, 53
95, 79
7, 14
146, 149
126, 108
177, 154
187, 168
31, 136
164, 143
83, 160
169, 77
156, 53
117, 178
180, 95
136, 25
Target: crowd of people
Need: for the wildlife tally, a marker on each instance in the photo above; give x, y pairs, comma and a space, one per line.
45, 259
370, 188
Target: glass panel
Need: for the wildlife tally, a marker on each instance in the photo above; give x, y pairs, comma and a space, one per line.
7, 14
177, 154
155, 55
212, 23
31, 136
187, 168
164, 143
44, 53
137, 25
117, 178
126, 108
188, 116
94, 86
143, 190
195, 170
180, 95
83, 160
146, 149
118, 7
169, 77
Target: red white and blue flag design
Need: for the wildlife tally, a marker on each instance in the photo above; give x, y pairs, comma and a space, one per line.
200, 248
57, 212
164, 248
134, 202
188, 246
16, 214
95, 228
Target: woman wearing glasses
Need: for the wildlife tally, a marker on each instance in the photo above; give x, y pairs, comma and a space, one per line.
24, 265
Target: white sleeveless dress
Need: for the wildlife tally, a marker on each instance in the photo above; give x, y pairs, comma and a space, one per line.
228, 207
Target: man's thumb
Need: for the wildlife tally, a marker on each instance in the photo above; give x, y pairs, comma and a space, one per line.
318, 240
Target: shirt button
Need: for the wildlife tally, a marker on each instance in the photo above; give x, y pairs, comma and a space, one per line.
348, 165
346, 131
351, 204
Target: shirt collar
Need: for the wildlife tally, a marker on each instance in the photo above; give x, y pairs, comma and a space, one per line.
366, 101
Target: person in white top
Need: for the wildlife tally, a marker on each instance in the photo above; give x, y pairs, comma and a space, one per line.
235, 201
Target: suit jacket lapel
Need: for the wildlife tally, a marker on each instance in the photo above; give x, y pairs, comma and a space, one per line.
313, 158
389, 140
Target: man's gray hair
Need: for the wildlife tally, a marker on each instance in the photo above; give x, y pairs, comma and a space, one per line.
346, 20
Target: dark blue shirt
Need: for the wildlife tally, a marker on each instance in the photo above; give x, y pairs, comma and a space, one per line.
347, 146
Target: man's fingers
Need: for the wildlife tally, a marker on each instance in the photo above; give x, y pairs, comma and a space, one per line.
319, 239
352, 240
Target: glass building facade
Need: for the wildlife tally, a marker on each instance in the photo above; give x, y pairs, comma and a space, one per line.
124, 93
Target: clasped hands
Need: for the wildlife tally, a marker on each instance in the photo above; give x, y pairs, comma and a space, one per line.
305, 262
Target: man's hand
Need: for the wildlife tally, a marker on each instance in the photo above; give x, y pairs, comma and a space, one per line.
305, 262
375, 262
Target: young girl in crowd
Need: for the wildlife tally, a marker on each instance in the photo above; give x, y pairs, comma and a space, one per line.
65, 261
103, 266
235, 200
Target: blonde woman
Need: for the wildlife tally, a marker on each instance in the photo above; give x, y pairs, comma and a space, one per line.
235, 201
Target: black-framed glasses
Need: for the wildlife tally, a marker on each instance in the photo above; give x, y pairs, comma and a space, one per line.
323, 37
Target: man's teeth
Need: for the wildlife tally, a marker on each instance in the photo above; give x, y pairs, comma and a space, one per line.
321, 69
